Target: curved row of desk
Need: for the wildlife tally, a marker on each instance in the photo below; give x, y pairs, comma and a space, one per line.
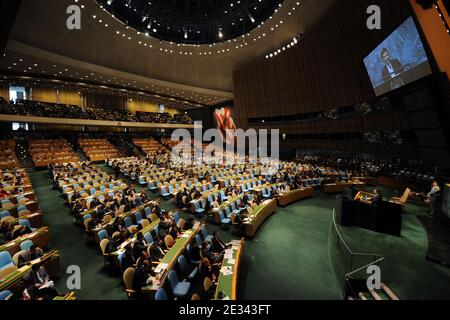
229, 274
268, 207
226, 288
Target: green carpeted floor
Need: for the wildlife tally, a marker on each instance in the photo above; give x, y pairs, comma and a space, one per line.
288, 259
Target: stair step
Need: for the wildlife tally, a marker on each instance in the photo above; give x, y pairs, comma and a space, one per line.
375, 295
362, 296
389, 292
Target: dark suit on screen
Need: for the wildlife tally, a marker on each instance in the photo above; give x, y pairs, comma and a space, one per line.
396, 66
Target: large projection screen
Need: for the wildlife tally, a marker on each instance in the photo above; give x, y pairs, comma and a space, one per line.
400, 59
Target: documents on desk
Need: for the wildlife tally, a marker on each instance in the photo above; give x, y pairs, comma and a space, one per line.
186, 234
124, 244
235, 243
226, 270
228, 256
153, 281
161, 267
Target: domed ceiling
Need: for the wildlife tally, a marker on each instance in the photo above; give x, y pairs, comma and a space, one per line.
192, 21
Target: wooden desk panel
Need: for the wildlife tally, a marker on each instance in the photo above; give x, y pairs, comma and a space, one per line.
260, 215
340, 187
40, 237
295, 195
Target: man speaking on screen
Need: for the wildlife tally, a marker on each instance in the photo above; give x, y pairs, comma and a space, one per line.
392, 68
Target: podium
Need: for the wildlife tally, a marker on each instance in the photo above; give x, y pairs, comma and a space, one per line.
385, 217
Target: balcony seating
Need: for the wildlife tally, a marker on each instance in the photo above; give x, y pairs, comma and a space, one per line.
56, 110
98, 149
149, 146
8, 159
45, 152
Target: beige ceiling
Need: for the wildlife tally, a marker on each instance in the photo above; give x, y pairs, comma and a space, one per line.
108, 52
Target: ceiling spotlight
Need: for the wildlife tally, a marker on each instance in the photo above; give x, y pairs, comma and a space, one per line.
220, 34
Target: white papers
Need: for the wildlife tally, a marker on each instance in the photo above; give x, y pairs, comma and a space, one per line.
228, 251
231, 261
158, 270
228, 256
186, 234
234, 248
161, 267
152, 281
226, 271
48, 284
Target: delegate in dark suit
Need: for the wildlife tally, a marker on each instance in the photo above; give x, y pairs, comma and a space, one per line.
396, 67
218, 245
156, 253
29, 255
